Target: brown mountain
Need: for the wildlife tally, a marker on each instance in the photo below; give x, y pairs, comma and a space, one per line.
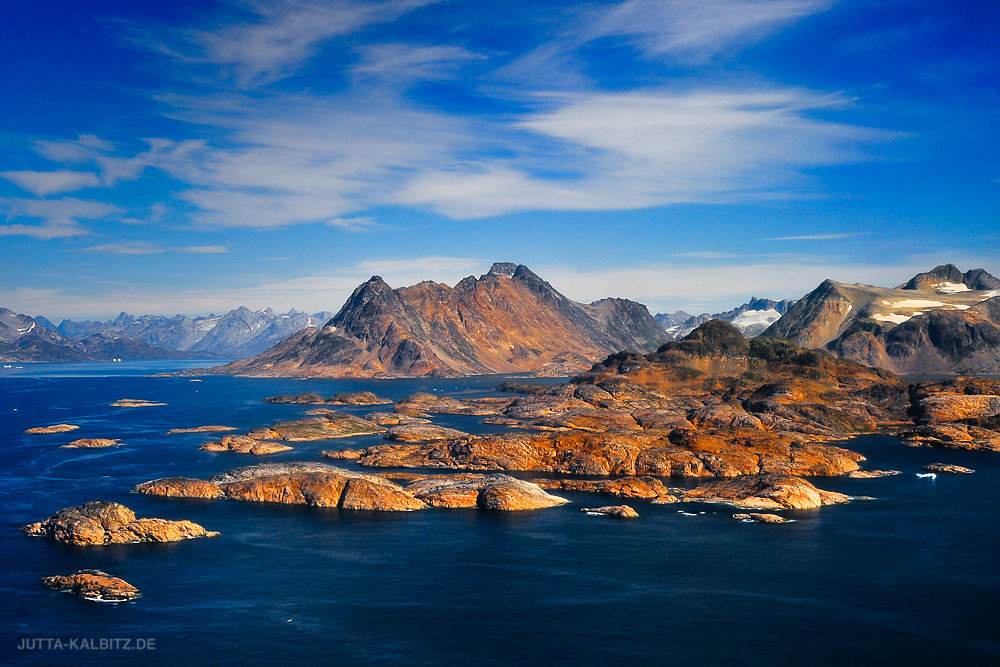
508, 320
941, 321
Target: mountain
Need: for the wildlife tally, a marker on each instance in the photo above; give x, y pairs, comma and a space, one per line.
507, 320
24, 338
941, 321
752, 318
239, 333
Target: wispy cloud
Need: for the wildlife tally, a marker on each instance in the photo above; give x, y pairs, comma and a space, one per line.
144, 248
271, 40
43, 183
358, 224
818, 237
652, 147
695, 30
408, 62
127, 248
52, 218
204, 249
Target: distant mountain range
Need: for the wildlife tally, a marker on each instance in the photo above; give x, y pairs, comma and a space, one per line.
507, 320
752, 318
239, 333
510, 320
24, 338
941, 321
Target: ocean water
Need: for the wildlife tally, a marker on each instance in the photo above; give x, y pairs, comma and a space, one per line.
911, 577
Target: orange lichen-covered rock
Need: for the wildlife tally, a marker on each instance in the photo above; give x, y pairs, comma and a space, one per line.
179, 487
100, 522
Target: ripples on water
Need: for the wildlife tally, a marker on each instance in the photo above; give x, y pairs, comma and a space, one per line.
910, 577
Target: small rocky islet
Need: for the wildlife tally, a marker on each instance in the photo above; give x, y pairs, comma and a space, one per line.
99, 523
93, 585
54, 428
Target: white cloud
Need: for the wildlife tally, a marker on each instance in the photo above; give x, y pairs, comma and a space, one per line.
817, 237
358, 224
407, 62
44, 183
204, 249
58, 218
648, 148
127, 248
271, 40
696, 30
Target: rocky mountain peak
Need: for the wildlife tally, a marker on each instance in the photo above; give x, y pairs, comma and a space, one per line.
506, 269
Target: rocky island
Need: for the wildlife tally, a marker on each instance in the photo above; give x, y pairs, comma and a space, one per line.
98, 522
93, 585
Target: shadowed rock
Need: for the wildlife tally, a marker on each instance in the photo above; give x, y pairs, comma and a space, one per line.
949, 469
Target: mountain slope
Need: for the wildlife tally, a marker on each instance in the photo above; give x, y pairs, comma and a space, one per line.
508, 320
941, 321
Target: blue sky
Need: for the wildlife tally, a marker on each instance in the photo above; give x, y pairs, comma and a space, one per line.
194, 156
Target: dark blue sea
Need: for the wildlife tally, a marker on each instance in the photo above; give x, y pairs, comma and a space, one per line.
912, 577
